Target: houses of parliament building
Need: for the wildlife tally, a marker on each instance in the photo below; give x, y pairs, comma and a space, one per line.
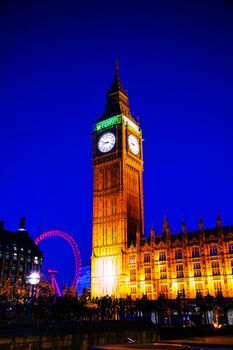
125, 262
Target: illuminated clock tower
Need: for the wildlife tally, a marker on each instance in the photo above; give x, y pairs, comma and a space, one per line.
118, 210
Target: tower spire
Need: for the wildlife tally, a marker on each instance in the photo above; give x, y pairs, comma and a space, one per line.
116, 64
116, 85
117, 98
184, 229
165, 222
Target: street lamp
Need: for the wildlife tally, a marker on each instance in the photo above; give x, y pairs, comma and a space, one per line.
33, 280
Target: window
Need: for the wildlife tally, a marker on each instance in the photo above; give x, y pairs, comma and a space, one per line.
132, 275
164, 291
132, 259
15, 256
199, 287
181, 291
147, 273
178, 254
146, 258
217, 286
133, 292
163, 272
179, 271
214, 250
162, 256
195, 252
149, 292
231, 248
197, 270
215, 268
7, 255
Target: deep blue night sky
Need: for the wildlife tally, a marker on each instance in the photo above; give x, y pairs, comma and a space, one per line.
56, 65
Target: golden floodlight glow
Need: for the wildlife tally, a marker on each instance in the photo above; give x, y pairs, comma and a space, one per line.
107, 273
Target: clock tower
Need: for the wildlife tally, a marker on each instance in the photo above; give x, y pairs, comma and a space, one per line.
118, 209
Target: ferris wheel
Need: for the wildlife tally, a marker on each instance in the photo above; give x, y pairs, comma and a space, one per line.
68, 238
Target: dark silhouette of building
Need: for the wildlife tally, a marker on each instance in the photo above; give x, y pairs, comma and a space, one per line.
19, 256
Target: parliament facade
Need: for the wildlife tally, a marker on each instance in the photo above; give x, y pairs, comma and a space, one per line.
125, 262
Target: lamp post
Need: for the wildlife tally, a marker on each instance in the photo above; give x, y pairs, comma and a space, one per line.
33, 280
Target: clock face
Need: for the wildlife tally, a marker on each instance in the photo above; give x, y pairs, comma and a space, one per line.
106, 142
133, 144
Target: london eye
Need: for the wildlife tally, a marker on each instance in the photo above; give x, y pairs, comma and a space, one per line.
70, 240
